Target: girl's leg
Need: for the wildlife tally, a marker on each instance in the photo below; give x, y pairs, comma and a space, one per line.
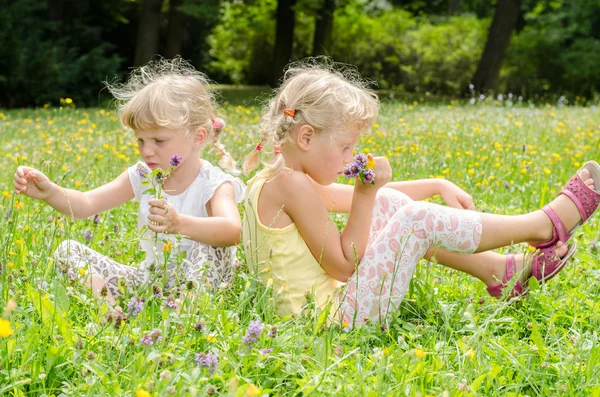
402, 236
78, 255
487, 266
208, 264
502, 230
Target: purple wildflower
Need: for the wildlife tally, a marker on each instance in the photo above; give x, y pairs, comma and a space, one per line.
368, 176
170, 302
88, 235
352, 170
266, 352
272, 332
210, 360
43, 285
151, 338
96, 219
142, 170
361, 160
156, 291
175, 160
160, 177
135, 306
253, 332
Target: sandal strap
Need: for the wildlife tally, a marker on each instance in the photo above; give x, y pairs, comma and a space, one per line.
511, 268
586, 199
560, 231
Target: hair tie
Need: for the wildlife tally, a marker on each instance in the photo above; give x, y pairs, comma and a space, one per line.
218, 123
289, 112
277, 150
258, 147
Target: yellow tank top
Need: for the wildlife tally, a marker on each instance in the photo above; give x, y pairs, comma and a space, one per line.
293, 268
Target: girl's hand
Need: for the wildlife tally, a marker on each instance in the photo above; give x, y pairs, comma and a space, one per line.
32, 182
456, 197
163, 218
383, 174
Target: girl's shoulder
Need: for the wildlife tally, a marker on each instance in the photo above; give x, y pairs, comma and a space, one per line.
211, 177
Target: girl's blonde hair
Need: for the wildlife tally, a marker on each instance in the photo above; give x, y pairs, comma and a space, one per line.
170, 94
328, 96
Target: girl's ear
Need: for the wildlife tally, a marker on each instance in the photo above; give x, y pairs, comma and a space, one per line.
199, 137
306, 135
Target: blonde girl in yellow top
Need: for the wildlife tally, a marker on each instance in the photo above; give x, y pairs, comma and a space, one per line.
313, 124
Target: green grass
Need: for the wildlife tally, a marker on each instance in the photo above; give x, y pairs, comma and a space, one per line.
449, 338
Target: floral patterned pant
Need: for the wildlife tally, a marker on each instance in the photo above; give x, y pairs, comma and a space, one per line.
204, 264
402, 230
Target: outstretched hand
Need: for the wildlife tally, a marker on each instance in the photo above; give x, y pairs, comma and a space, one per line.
32, 183
163, 218
456, 197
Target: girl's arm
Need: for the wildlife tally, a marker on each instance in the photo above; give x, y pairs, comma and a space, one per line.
338, 197
337, 253
221, 229
71, 202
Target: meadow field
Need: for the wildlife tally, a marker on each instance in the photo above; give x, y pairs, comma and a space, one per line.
449, 338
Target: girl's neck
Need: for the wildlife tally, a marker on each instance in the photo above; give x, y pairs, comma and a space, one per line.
182, 177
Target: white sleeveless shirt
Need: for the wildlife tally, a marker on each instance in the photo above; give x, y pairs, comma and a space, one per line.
192, 202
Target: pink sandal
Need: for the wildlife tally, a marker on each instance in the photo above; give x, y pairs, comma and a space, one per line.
521, 287
547, 264
511, 270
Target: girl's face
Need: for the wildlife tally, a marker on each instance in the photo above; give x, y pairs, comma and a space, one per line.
157, 146
329, 156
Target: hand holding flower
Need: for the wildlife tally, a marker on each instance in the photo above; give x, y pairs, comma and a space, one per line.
163, 218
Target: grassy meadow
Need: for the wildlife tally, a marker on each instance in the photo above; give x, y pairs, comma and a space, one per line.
449, 338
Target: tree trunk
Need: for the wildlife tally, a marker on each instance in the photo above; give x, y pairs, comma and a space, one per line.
284, 38
175, 30
148, 31
323, 28
503, 24
453, 7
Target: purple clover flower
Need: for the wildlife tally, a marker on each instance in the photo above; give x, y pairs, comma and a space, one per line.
253, 332
361, 160
175, 160
151, 338
170, 302
87, 235
160, 177
266, 352
142, 169
208, 360
368, 176
135, 306
359, 168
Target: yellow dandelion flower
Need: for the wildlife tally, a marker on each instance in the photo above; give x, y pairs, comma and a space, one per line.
420, 353
82, 272
6, 194
5, 329
211, 338
68, 101
11, 265
252, 391
167, 246
142, 393
471, 354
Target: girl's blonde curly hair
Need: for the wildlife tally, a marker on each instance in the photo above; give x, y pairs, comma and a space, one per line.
330, 97
170, 94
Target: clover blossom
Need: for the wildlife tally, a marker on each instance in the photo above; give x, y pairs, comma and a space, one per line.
135, 306
363, 167
208, 360
175, 160
253, 332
